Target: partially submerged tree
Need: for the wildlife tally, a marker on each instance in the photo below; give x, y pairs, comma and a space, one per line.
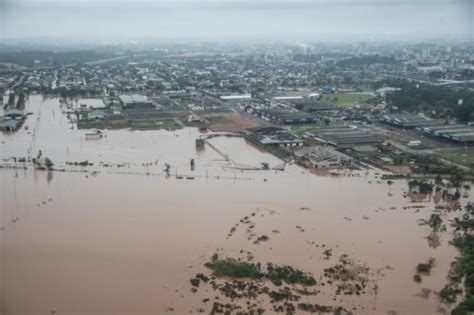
48, 163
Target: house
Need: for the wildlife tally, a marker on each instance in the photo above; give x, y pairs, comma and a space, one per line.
12, 125
12, 120
96, 114
14, 114
194, 118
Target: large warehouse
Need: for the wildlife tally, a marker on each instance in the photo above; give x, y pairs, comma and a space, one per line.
405, 120
136, 101
288, 117
458, 133
346, 137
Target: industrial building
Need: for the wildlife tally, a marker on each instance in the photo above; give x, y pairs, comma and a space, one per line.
274, 136
287, 117
346, 137
136, 101
321, 157
277, 141
405, 120
12, 125
463, 134
438, 128
239, 97
288, 98
310, 105
12, 120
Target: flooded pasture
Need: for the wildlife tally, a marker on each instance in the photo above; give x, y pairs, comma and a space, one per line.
122, 236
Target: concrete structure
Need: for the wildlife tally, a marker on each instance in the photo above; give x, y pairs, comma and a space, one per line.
312, 106
288, 98
386, 89
405, 120
12, 125
193, 118
12, 120
287, 117
346, 137
274, 136
463, 134
320, 157
96, 114
136, 101
14, 114
458, 133
235, 97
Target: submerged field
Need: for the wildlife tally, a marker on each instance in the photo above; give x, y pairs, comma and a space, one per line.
123, 236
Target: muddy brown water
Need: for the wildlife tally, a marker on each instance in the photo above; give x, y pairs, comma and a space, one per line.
124, 242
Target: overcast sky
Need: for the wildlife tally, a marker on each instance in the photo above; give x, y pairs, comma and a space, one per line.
238, 19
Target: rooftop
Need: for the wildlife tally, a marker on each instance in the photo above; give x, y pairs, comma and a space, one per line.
284, 114
133, 98
346, 136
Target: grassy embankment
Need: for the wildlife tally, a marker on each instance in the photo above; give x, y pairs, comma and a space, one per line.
462, 156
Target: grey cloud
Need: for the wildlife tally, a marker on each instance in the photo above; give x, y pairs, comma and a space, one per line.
319, 19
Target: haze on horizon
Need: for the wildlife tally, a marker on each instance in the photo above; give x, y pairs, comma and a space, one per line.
237, 19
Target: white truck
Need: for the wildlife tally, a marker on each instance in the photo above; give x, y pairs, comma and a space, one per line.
413, 143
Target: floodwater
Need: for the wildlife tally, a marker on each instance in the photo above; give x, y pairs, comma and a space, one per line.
125, 238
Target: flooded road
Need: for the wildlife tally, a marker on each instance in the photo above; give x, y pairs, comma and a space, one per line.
126, 238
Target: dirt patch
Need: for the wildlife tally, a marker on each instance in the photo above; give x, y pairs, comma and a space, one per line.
399, 169
232, 122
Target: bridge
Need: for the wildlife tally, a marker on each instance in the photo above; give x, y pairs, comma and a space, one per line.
206, 138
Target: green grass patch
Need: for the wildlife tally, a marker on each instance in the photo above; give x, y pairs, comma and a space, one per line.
462, 156
403, 158
347, 99
301, 129
219, 120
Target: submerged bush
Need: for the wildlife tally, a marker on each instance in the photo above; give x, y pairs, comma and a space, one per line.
288, 275
463, 268
229, 267
425, 267
466, 307
417, 278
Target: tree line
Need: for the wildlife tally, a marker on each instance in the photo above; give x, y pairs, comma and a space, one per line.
437, 101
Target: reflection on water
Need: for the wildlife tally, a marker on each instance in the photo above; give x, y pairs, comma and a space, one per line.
119, 237
49, 176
